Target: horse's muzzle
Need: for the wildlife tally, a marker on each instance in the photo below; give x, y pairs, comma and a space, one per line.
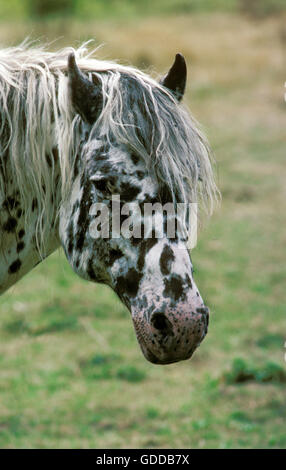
171, 335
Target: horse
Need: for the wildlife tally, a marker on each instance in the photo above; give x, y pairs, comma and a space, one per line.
76, 131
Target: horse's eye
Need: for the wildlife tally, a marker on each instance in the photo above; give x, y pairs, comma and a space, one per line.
105, 185
101, 185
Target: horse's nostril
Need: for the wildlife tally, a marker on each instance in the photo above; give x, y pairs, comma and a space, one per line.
159, 321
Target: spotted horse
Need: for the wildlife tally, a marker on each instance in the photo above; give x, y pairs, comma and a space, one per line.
76, 131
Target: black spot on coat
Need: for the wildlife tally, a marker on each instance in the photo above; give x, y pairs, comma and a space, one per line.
114, 254
10, 203
174, 287
166, 259
20, 246
10, 225
15, 266
128, 284
21, 233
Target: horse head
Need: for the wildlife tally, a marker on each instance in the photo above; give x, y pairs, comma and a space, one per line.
137, 146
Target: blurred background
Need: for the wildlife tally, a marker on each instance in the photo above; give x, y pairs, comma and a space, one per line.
71, 372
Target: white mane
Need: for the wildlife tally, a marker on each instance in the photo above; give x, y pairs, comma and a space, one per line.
36, 115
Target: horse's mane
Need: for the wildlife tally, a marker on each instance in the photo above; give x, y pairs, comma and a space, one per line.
36, 114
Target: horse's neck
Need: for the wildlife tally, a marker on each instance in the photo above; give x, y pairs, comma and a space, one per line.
19, 251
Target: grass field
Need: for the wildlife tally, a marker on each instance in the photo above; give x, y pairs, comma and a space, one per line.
71, 372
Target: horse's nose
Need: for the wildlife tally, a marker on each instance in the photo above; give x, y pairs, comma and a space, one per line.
171, 333
175, 335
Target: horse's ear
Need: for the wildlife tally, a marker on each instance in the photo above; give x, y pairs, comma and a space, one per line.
86, 96
176, 78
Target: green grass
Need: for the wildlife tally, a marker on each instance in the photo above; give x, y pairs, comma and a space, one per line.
112, 8
71, 372
102, 9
